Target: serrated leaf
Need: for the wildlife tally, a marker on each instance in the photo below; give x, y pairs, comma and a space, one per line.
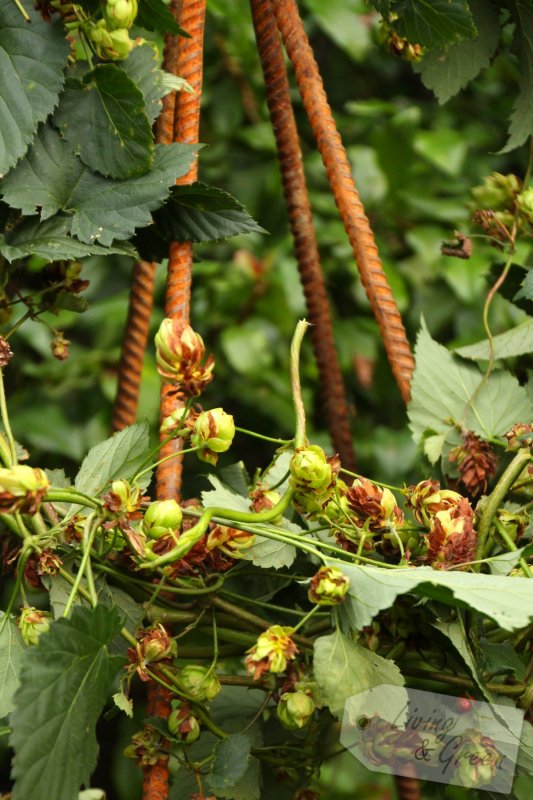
231, 762
131, 612
12, 655
505, 562
448, 71
32, 59
434, 23
521, 125
343, 668
143, 67
103, 118
64, 683
433, 446
500, 658
526, 290
50, 178
202, 213
52, 241
445, 391
266, 553
115, 458
154, 15
515, 342
455, 632
508, 601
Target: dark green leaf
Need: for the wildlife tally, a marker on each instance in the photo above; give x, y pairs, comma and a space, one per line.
71, 302
103, 118
154, 15
51, 240
445, 390
12, 654
521, 126
64, 683
32, 59
116, 458
512, 287
343, 668
500, 658
201, 213
448, 71
51, 178
143, 67
434, 23
231, 762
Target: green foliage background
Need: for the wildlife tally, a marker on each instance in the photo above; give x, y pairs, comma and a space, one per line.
414, 162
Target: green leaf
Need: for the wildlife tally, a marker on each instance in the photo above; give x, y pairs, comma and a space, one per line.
505, 562
455, 632
521, 126
32, 59
526, 290
131, 612
115, 458
500, 658
51, 178
508, 601
343, 668
154, 15
103, 119
448, 71
445, 391
12, 655
123, 703
201, 213
434, 23
52, 241
515, 342
143, 67
265, 553
343, 22
231, 762
64, 683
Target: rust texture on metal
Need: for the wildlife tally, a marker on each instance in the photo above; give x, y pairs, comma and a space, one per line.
340, 177
134, 345
155, 776
301, 221
189, 66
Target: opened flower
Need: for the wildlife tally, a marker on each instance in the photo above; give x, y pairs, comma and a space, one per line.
273, 651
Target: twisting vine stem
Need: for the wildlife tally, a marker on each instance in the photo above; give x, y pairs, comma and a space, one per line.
302, 227
340, 177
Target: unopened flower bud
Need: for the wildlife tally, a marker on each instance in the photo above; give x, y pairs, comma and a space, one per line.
295, 709
328, 586
310, 469
156, 644
479, 762
32, 623
123, 499
180, 352
120, 13
109, 45
22, 489
174, 422
230, 541
199, 682
213, 432
161, 518
183, 724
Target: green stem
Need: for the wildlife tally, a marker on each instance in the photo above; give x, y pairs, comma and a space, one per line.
496, 498
263, 437
166, 458
71, 496
22, 10
526, 569
246, 616
91, 528
307, 617
378, 483
300, 437
188, 539
5, 421
456, 680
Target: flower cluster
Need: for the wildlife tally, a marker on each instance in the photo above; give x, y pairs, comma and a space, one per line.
22, 489
476, 461
312, 476
328, 586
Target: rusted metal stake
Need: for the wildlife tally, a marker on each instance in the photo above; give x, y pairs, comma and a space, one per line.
340, 177
186, 129
301, 221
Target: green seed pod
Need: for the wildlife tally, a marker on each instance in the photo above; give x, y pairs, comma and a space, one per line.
199, 682
32, 623
295, 709
162, 518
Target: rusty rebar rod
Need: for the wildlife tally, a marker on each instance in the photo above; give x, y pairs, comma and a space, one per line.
191, 18
302, 227
340, 177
